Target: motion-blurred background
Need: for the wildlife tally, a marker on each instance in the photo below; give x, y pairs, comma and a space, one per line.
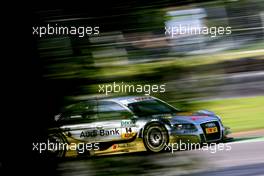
224, 74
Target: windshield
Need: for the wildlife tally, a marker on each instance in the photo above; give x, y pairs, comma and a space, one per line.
151, 107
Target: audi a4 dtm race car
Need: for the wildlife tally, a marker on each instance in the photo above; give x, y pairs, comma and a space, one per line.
129, 124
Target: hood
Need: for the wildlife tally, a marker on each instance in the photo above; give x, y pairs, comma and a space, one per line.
198, 117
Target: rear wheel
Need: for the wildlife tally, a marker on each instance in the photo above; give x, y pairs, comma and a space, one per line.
57, 146
155, 137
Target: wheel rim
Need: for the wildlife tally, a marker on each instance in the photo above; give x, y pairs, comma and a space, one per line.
155, 137
57, 149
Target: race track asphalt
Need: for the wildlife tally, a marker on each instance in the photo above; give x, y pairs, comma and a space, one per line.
246, 158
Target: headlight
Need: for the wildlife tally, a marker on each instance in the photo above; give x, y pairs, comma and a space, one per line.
185, 127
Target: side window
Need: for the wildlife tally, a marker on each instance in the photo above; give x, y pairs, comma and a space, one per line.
112, 111
80, 113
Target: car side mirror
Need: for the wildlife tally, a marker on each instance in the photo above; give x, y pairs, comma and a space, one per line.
57, 117
134, 118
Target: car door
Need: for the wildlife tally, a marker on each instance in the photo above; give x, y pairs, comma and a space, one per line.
109, 123
78, 122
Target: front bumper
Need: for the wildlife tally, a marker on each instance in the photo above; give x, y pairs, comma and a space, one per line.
198, 137
185, 139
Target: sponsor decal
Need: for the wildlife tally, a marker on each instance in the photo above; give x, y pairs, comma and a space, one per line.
210, 124
89, 133
125, 145
127, 123
115, 146
102, 132
128, 134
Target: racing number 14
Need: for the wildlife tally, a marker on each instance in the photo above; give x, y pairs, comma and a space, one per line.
128, 133
128, 130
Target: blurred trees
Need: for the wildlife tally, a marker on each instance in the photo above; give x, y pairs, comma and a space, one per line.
132, 48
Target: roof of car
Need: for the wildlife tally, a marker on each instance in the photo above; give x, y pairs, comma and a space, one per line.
129, 99
125, 100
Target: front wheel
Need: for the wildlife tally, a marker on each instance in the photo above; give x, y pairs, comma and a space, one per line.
155, 137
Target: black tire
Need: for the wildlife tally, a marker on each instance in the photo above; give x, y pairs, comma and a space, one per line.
155, 137
58, 146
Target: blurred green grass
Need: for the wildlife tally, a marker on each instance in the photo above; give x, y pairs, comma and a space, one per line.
149, 68
240, 114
